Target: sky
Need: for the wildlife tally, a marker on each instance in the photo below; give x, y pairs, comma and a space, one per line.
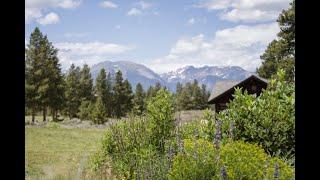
163, 35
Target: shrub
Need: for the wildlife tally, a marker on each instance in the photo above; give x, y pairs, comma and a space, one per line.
160, 112
248, 161
268, 120
126, 147
85, 110
194, 129
197, 161
99, 112
243, 161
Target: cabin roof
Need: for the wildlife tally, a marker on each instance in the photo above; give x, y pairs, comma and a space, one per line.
221, 87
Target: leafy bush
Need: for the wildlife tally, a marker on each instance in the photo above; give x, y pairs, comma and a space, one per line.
268, 120
160, 112
248, 161
126, 147
85, 110
197, 161
243, 161
235, 160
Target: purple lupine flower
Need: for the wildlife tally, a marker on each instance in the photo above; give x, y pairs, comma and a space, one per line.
217, 138
276, 171
224, 173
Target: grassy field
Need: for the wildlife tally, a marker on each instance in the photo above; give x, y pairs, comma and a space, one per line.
61, 150
59, 153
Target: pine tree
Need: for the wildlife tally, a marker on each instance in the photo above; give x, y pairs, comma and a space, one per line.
33, 73
280, 54
101, 84
109, 96
99, 113
102, 89
72, 93
139, 100
86, 84
204, 96
44, 80
119, 96
178, 88
127, 104
157, 87
197, 98
56, 88
150, 92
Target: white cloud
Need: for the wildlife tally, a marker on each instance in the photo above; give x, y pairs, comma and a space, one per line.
51, 18
35, 9
236, 15
246, 10
143, 5
237, 46
134, 12
90, 53
191, 21
108, 4
117, 27
214, 5
156, 13
76, 35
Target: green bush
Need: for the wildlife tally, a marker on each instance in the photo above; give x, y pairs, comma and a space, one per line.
248, 161
85, 110
160, 112
197, 161
200, 160
268, 120
127, 149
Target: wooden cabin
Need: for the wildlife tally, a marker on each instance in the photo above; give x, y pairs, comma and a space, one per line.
223, 90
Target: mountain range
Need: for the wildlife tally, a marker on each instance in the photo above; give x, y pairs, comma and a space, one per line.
136, 73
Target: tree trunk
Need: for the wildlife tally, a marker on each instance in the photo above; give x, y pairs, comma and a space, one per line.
53, 115
44, 114
32, 114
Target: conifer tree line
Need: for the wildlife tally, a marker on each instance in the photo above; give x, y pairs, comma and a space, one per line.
280, 53
75, 95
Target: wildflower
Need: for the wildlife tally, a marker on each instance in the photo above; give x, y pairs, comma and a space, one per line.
223, 173
276, 171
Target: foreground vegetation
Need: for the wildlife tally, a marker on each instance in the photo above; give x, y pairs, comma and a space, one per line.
252, 139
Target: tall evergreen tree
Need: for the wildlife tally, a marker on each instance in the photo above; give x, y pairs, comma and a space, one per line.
157, 87
150, 92
109, 96
86, 84
33, 72
101, 84
99, 113
127, 104
119, 96
178, 88
56, 87
122, 91
72, 93
280, 54
44, 80
139, 100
